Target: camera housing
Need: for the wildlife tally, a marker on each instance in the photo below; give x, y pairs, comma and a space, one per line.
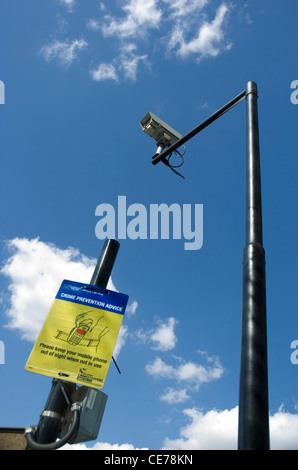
164, 135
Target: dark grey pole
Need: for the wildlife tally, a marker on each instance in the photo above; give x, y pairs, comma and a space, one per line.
105, 263
253, 394
49, 426
253, 430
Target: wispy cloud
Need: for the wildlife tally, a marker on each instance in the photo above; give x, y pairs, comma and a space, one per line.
183, 8
132, 308
139, 16
126, 65
69, 4
187, 372
188, 376
64, 52
173, 396
208, 41
129, 61
180, 25
93, 25
104, 72
137, 29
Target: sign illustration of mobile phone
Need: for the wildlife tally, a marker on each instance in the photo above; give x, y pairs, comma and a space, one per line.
78, 333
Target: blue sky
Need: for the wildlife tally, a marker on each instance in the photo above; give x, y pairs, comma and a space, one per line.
78, 77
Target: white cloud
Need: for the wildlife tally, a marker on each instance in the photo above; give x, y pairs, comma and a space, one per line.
181, 17
180, 27
104, 72
64, 52
132, 308
127, 63
182, 8
209, 40
69, 4
140, 15
213, 430
172, 396
191, 374
284, 430
102, 446
93, 25
35, 271
159, 369
218, 430
188, 372
121, 341
164, 338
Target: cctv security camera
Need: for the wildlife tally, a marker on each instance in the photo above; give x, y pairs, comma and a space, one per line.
164, 135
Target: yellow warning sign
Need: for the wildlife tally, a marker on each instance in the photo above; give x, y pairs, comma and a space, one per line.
78, 337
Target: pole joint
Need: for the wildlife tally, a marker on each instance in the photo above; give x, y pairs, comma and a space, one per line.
251, 87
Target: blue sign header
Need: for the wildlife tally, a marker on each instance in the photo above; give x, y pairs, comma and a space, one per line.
93, 296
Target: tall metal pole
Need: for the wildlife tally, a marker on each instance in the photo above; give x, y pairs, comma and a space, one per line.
253, 394
49, 426
253, 431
